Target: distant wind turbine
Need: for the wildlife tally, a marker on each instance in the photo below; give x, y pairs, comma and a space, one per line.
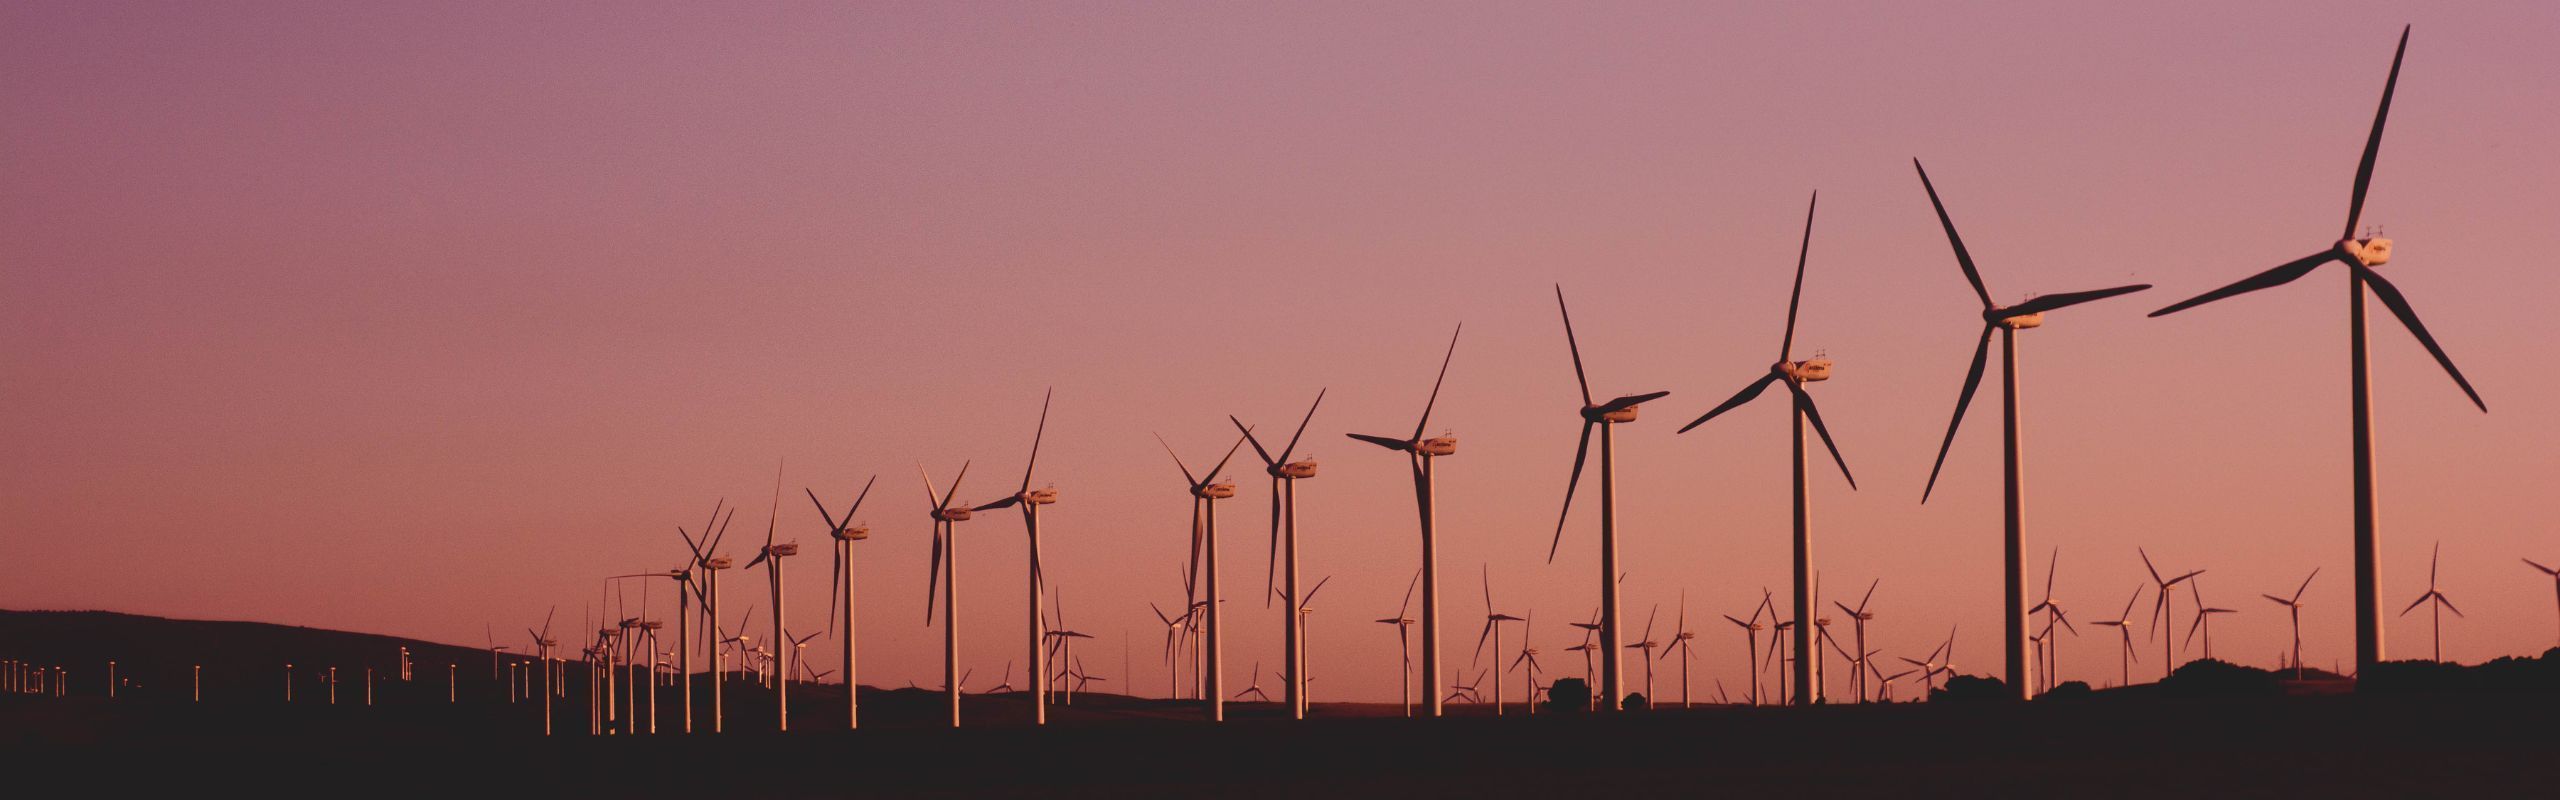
945, 570
2123, 623
2441, 604
2293, 606
1030, 500
1206, 491
1404, 641
1492, 629
771, 556
2161, 606
2553, 572
1285, 475
844, 532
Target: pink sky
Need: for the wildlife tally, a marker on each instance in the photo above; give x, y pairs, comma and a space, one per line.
418, 320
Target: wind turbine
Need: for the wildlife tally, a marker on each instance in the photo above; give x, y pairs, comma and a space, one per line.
1206, 491
1528, 658
2053, 614
2204, 618
1606, 416
1419, 453
1751, 640
708, 591
771, 556
1493, 629
2162, 605
2123, 623
2008, 321
1306, 644
2441, 604
946, 570
2359, 256
1255, 688
1858, 619
844, 531
542, 644
1680, 637
1173, 630
1031, 500
1404, 641
2293, 605
2550, 571
1647, 644
1796, 374
1285, 475
1466, 690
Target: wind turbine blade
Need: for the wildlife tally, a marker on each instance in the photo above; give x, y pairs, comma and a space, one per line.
2391, 299
1285, 452
773, 515
1972, 381
2448, 604
1402, 607
835, 575
2432, 558
1435, 382
2146, 565
1485, 574
1964, 258
931, 496
1007, 501
2193, 627
954, 488
2306, 584
1580, 452
1231, 454
823, 513
2284, 273
723, 534
2051, 565
2536, 565
1570, 345
1814, 415
1381, 441
933, 579
1739, 398
1311, 593
1871, 592
1187, 479
2373, 142
1248, 438
1037, 434
2414, 604
2044, 303
1788, 344
1632, 400
1271, 572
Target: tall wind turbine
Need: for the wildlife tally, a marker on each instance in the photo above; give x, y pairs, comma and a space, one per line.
1285, 475
1796, 374
844, 532
708, 591
2293, 606
1493, 630
1206, 490
2550, 571
1605, 416
2359, 256
1031, 500
1858, 619
1680, 636
2161, 606
1751, 641
2204, 618
2008, 321
771, 557
1528, 658
2441, 605
1404, 641
946, 570
2123, 623
1419, 454
542, 644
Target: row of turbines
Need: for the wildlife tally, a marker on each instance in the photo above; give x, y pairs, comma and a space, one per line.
1199, 625
1195, 635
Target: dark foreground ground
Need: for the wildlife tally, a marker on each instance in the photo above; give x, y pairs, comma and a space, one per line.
2416, 730
2411, 746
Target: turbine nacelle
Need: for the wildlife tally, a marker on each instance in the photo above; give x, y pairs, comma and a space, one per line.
2017, 322
2371, 251
781, 550
1214, 491
1608, 416
854, 533
716, 562
1442, 445
1302, 468
954, 513
1811, 370
1040, 497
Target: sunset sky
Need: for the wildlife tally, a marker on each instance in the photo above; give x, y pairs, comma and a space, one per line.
415, 319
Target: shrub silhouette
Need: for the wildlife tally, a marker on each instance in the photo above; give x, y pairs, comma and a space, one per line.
1971, 689
1568, 696
1636, 701
2068, 690
2216, 677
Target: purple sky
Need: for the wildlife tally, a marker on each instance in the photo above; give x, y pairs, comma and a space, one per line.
418, 319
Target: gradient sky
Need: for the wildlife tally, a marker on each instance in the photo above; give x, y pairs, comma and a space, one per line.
415, 319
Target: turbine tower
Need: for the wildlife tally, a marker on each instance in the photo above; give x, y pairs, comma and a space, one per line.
1285, 475
844, 532
946, 570
1796, 374
1606, 416
1031, 500
771, 557
1419, 453
708, 591
2008, 321
2359, 256
1202, 569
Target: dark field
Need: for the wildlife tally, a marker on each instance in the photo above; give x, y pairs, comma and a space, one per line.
2415, 742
